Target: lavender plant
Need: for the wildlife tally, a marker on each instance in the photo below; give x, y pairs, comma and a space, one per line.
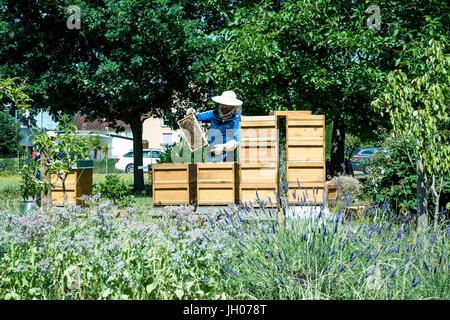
239, 253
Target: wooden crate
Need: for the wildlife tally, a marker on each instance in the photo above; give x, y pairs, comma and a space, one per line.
217, 183
78, 183
305, 138
174, 183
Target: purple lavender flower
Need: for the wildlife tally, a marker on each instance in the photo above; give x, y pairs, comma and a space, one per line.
415, 282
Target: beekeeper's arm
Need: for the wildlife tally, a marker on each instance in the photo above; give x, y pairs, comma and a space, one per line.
203, 116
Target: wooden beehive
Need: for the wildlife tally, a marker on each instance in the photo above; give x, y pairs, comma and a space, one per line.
258, 155
305, 138
217, 183
78, 183
174, 183
305, 155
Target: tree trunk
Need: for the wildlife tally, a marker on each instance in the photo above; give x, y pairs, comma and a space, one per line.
420, 192
136, 129
337, 149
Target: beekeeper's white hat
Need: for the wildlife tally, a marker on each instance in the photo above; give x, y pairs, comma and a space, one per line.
228, 98
52, 134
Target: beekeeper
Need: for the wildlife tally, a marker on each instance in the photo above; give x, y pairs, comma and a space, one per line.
223, 133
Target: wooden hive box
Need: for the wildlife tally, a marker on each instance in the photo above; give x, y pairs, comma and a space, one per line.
174, 183
78, 183
217, 183
258, 156
306, 171
258, 139
305, 138
261, 178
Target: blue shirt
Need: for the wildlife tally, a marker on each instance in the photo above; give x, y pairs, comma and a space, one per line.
229, 130
223, 127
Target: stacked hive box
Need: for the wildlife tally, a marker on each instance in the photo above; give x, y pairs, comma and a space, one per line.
258, 157
217, 183
174, 183
305, 138
78, 183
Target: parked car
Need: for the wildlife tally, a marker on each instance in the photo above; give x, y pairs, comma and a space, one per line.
361, 155
126, 162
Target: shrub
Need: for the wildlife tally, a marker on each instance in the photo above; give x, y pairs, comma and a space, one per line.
392, 177
348, 185
114, 189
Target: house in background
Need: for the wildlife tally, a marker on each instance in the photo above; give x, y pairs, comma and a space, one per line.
158, 133
155, 135
118, 143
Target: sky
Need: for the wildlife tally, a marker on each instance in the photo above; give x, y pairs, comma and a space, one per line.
44, 120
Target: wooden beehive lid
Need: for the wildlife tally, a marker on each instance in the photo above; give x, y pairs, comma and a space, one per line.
290, 113
306, 117
258, 122
257, 118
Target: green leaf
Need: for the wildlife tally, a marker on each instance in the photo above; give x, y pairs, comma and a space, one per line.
149, 288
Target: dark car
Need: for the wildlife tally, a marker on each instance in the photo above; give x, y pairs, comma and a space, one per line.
361, 155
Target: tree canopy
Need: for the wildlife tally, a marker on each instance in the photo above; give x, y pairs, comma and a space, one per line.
320, 55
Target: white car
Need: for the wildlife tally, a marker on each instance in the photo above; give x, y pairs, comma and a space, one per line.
126, 162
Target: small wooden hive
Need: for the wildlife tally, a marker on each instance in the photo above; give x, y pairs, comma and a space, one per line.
217, 183
78, 183
258, 156
174, 183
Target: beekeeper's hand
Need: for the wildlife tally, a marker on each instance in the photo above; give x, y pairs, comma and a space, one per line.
231, 145
218, 150
190, 111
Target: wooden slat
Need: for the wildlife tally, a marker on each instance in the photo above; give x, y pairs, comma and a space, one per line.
306, 171
258, 134
305, 153
258, 154
258, 143
259, 174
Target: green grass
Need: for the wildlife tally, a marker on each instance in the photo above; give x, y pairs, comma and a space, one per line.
10, 196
